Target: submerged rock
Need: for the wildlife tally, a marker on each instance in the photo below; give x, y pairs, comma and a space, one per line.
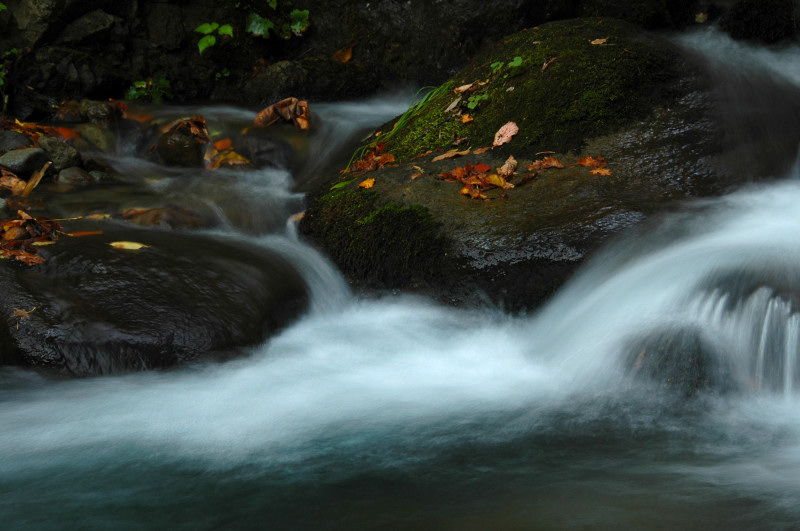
94, 309
683, 361
25, 161
60, 153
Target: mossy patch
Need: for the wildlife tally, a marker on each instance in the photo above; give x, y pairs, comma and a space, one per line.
384, 245
585, 90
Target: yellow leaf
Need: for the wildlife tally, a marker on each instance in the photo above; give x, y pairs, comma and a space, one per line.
132, 246
22, 314
601, 171
43, 243
463, 88
98, 216
367, 183
599, 41
466, 118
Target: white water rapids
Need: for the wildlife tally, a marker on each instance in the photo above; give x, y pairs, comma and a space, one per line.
463, 417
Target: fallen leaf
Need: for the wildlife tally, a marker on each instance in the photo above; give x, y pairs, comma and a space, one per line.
452, 106
11, 182
450, 154
416, 175
601, 171
22, 314
222, 144
367, 183
343, 55
505, 133
482, 150
499, 181
463, 88
599, 41
591, 162
701, 18
43, 243
290, 109
132, 246
98, 216
508, 167
33, 182
82, 233
547, 162
548, 63
482, 167
424, 154
466, 118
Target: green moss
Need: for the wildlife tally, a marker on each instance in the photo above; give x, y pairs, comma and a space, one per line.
387, 245
587, 90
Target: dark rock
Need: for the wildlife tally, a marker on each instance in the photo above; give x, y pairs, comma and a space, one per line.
263, 150
165, 26
60, 153
682, 361
96, 24
765, 20
178, 147
101, 176
102, 310
12, 140
648, 14
24, 162
74, 176
98, 112
3, 206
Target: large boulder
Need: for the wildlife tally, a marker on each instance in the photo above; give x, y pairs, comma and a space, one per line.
584, 87
95, 309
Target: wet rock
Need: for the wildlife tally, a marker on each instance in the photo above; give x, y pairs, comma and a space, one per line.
648, 14
74, 176
682, 361
12, 140
178, 147
95, 138
60, 153
765, 20
264, 151
24, 162
98, 112
3, 206
101, 176
102, 310
164, 217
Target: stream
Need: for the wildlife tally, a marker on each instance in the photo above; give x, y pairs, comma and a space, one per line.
398, 412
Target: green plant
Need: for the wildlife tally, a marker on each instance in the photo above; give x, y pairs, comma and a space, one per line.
223, 73
208, 29
417, 104
285, 26
155, 90
475, 99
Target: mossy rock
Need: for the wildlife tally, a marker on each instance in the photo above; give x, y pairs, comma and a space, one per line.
636, 100
584, 91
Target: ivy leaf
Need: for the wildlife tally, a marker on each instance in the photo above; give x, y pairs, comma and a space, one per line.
298, 21
259, 26
227, 29
205, 42
516, 62
207, 28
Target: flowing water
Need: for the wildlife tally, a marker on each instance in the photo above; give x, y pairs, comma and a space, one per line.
400, 413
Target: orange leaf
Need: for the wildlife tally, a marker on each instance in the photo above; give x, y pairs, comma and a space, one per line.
601, 171
450, 154
290, 109
505, 133
66, 132
224, 143
367, 183
82, 233
343, 55
466, 118
416, 175
547, 162
482, 150
482, 167
599, 41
